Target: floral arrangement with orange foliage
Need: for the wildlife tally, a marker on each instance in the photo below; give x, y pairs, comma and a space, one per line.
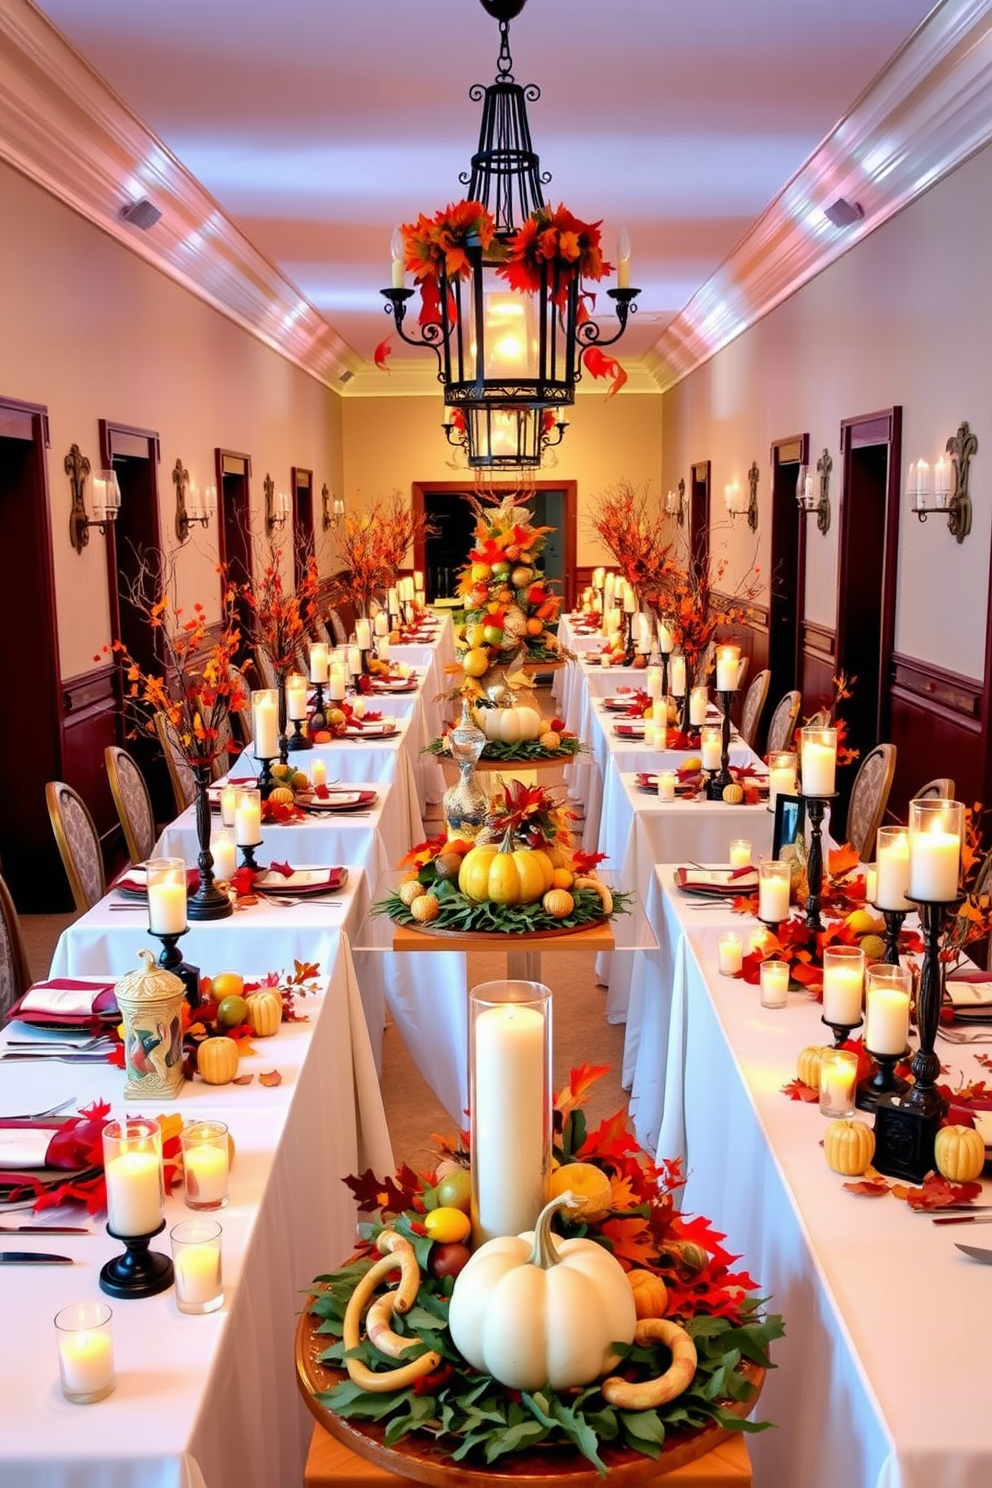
686, 605
555, 242
636, 538
373, 544
687, 1287
199, 686
279, 618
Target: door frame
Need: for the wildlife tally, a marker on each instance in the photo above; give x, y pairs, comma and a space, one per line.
793, 450
570, 490
700, 479
141, 444
882, 427
301, 476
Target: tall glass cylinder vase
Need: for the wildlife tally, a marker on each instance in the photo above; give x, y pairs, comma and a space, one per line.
510, 1105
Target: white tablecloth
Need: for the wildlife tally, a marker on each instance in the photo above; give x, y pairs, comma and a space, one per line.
882, 1380
201, 1402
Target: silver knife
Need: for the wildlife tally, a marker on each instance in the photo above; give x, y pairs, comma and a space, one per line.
45, 1230
977, 1254
33, 1258
945, 1219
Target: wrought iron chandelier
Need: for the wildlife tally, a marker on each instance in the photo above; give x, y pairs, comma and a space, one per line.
504, 304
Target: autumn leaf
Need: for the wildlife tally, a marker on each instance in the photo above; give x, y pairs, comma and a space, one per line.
270, 1078
842, 859
382, 352
373, 1193
242, 1079
798, 1090
630, 1240
869, 1188
937, 1193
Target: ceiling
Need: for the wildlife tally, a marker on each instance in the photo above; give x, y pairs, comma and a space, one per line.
318, 125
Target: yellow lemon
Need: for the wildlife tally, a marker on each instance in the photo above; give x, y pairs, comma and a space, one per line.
447, 1224
475, 663
692, 764
481, 572
863, 922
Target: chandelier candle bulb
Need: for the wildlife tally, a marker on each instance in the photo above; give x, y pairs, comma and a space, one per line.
774, 887
843, 985
318, 662
711, 748
224, 853
819, 761
730, 954
248, 819
892, 869
935, 831
781, 776
727, 668
363, 634
838, 1078
296, 697
623, 260
740, 853
774, 984
228, 801
666, 785
676, 673
86, 1352
698, 703
654, 683
265, 723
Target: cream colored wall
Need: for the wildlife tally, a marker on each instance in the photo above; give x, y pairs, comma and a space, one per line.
903, 318
389, 443
91, 331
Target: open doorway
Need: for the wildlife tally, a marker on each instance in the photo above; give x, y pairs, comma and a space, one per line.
787, 596
32, 754
234, 528
699, 515
303, 542
871, 452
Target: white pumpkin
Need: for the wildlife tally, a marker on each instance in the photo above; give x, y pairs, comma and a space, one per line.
514, 725
531, 1310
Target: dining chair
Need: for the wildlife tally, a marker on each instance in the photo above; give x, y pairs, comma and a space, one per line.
782, 727
78, 843
754, 702
266, 671
338, 628
180, 775
940, 789
819, 719
869, 796
15, 974
134, 804
241, 720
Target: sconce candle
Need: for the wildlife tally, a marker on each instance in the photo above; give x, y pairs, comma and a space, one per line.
935, 831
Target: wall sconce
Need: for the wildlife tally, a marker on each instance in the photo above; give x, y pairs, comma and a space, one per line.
739, 505
333, 509
191, 506
276, 507
804, 491
105, 500
675, 503
945, 490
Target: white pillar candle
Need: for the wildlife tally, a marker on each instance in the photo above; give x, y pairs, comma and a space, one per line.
923, 483
392, 602
730, 954
892, 869
296, 697
698, 702
781, 776
167, 908
629, 600
382, 648
354, 660
134, 1193
727, 664
509, 1116
666, 785
248, 819
336, 687
380, 625
871, 883
205, 1174
358, 708
598, 578
934, 864
265, 724
838, 1077
676, 675
774, 984
740, 853
228, 798
318, 662
363, 634
418, 579
911, 480
887, 1026
224, 853
843, 985
774, 887
654, 683
197, 1273
419, 599
609, 586
86, 1351
711, 746
650, 735
643, 633
318, 772
818, 761
666, 642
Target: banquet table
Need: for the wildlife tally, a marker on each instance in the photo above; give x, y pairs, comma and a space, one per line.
866, 1393
208, 1401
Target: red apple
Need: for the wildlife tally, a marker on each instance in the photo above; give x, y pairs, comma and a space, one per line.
448, 1260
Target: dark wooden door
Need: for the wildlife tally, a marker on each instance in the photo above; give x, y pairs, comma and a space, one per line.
31, 747
699, 516
234, 542
787, 592
303, 541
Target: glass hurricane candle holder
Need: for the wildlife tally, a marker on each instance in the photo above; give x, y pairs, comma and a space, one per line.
730, 953
132, 1164
782, 770
843, 989
936, 831
774, 978
818, 761
666, 785
85, 1340
510, 1105
196, 1257
774, 889
838, 1077
887, 996
206, 1158
248, 825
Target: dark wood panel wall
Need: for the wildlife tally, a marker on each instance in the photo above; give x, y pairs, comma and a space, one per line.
90, 723
937, 730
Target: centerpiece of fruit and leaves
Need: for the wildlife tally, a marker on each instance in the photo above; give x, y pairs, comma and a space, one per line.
514, 733
697, 1336
521, 873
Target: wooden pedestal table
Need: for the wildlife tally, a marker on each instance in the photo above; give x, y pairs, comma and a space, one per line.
523, 951
353, 1454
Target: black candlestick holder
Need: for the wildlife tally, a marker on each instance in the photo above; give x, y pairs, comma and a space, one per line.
283, 736
664, 674
882, 1081
906, 1123
171, 959
815, 809
629, 651
266, 779
299, 739
841, 1031
208, 902
247, 851
721, 778
318, 718
140, 1271
893, 929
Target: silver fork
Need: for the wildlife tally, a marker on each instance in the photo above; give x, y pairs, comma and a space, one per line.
40, 1115
284, 901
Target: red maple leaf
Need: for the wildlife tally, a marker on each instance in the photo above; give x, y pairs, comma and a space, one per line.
936, 1193
797, 1090
842, 859
869, 1188
598, 364
373, 1193
382, 351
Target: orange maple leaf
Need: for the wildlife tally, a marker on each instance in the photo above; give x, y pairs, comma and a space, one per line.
622, 1191
843, 859
580, 1083
631, 1240
382, 351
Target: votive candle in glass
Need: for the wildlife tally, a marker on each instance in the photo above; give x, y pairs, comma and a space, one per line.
698, 703
935, 831
774, 890
228, 797
337, 684
296, 697
206, 1157
818, 761
676, 676
728, 660
318, 773
224, 853
781, 775
838, 1080
654, 683
166, 881
730, 953
774, 984
887, 992
740, 853
871, 882
666, 785
265, 723
843, 985
196, 1257
318, 662
711, 747
132, 1164
248, 818
85, 1340
892, 869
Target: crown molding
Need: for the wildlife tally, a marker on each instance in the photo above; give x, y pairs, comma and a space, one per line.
62, 127
417, 378
924, 115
